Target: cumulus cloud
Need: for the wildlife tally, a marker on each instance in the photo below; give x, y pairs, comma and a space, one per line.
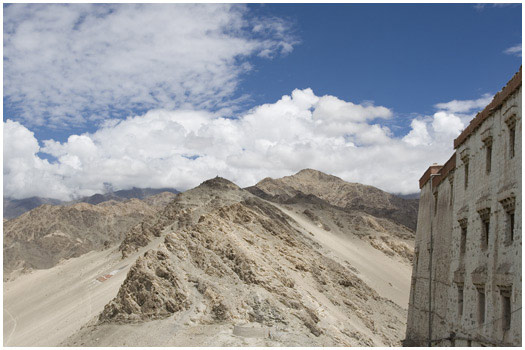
65, 64
514, 50
418, 135
25, 173
447, 124
183, 147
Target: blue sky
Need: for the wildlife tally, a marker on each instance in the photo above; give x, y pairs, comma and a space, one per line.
404, 56
169, 95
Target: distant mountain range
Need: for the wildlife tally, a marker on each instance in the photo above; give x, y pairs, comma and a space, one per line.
16, 207
409, 196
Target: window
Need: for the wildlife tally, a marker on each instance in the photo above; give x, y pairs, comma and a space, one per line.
486, 137
511, 124
484, 215
451, 182
463, 243
481, 306
460, 301
466, 175
486, 229
512, 138
488, 163
505, 310
509, 205
435, 202
511, 226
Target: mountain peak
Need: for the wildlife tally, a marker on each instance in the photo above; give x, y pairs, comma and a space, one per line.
316, 174
337, 192
309, 171
219, 183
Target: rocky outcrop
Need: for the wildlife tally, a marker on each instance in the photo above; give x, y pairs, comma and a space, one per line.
183, 210
152, 290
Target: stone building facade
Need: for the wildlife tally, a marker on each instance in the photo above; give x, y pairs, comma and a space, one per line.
468, 238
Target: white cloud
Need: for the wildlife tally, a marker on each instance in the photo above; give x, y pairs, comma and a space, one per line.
181, 148
447, 124
482, 6
25, 174
465, 106
514, 50
65, 64
418, 135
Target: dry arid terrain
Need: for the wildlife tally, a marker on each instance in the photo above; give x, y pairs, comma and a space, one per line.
40, 238
289, 262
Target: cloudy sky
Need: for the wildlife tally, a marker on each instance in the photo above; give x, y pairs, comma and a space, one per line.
99, 96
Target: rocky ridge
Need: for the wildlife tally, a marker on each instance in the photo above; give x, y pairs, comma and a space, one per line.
228, 256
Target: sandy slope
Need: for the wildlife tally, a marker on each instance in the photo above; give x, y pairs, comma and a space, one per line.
46, 306
389, 277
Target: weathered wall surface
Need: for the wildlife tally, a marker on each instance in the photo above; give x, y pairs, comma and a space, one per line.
435, 210
485, 270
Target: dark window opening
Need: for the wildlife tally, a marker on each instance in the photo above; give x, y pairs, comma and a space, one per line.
466, 175
463, 243
489, 159
512, 133
505, 299
481, 306
485, 234
435, 203
510, 227
460, 301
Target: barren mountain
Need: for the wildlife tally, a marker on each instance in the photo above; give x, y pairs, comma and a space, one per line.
122, 195
16, 207
219, 266
339, 193
40, 238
